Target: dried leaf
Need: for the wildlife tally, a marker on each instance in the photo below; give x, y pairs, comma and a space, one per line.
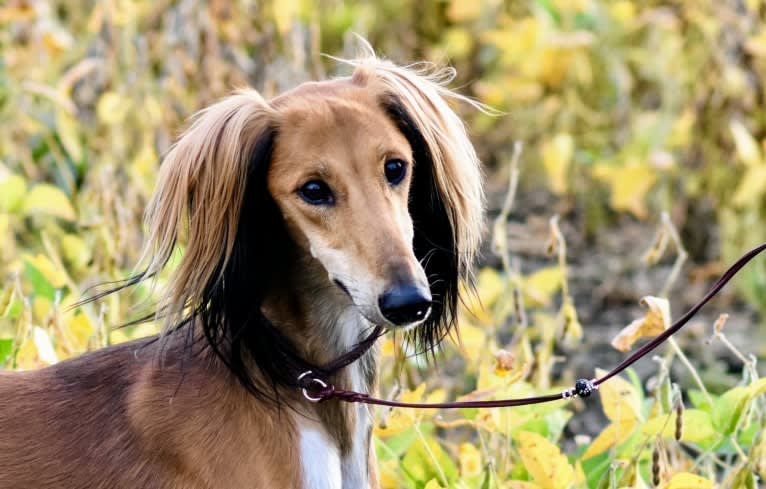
747, 147
557, 156
656, 320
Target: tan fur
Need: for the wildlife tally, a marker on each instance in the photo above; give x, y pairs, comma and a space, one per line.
146, 414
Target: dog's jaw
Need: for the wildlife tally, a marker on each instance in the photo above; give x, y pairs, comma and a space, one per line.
322, 321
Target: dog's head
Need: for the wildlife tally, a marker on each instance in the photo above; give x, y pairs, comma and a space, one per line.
372, 176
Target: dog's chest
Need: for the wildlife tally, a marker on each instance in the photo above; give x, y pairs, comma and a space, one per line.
323, 466
320, 457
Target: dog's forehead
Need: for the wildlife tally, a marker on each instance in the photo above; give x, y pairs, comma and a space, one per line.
322, 106
317, 116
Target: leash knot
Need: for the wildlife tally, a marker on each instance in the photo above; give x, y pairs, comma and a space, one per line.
582, 388
315, 389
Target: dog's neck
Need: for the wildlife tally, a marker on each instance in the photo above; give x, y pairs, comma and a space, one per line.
322, 323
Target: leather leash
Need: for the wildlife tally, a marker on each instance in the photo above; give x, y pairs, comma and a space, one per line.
315, 389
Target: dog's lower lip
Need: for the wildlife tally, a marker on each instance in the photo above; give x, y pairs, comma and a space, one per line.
341, 286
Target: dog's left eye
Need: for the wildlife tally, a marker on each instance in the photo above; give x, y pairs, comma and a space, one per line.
395, 171
316, 192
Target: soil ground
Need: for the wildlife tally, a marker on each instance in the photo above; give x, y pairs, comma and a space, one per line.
607, 278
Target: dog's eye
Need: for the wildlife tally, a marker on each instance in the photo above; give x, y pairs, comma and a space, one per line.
316, 192
395, 171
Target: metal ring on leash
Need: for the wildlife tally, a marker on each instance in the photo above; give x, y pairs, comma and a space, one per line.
319, 382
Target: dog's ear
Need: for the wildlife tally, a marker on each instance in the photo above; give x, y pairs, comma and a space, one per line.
199, 197
447, 199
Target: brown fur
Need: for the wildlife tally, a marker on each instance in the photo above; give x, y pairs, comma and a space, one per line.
148, 414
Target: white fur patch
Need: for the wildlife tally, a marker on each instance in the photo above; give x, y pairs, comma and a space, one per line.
355, 469
319, 458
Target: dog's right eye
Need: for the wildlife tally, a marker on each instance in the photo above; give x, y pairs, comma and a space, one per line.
316, 192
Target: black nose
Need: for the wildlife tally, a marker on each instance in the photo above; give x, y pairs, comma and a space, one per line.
404, 304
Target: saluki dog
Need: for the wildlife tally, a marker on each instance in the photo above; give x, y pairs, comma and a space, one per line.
306, 221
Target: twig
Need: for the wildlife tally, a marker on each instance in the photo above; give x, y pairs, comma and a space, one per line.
500, 237
681, 254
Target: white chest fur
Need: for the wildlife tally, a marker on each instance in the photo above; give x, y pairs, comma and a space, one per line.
320, 458
355, 465
321, 463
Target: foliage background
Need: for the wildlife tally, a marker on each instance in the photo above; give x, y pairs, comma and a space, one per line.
625, 109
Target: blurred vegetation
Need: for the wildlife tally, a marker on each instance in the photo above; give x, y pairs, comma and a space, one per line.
625, 109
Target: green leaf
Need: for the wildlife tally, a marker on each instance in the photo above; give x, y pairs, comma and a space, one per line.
728, 409
421, 462
46, 199
6, 349
697, 424
699, 400
40, 283
66, 127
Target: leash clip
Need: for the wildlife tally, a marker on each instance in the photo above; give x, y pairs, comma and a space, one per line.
312, 381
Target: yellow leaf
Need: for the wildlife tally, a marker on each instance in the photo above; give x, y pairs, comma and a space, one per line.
75, 250
522, 90
66, 127
463, 10
433, 484
548, 467
400, 420
622, 10
685, 480
41, 307
557, 156
36, 351
12, 190
656, 320
389, 474
473, 341
7, 294
752, 187
542, 284
580, 478
698, 426
470, 461
630, 184
572, 326
619, 399
612, 435
45, 199
757, 388
79, 329
285, 12
52, 273
490, 284
387, 347
520, 485
747, 148
144, 165
112, 108
681, 132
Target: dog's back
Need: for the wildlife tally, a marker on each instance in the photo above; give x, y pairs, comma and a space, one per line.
124, 417
62, 426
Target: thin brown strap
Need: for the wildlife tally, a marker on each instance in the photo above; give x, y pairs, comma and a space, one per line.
316, 390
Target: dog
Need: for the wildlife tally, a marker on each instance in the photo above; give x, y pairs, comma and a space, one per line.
306, 221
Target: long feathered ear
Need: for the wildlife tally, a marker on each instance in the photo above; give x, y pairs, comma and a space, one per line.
199, 196
447, 200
